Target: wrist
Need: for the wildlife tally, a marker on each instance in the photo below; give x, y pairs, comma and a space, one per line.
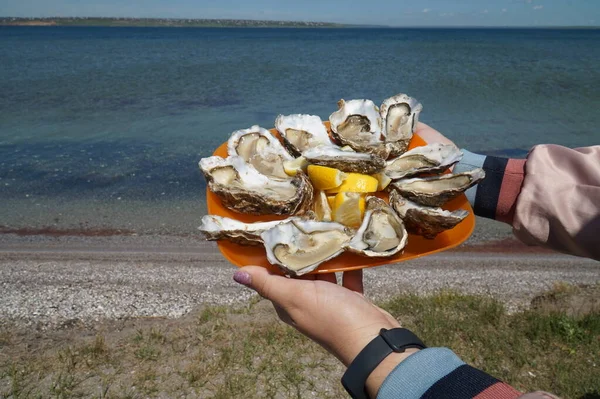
379, 375
495, 197
362, 338
377, 359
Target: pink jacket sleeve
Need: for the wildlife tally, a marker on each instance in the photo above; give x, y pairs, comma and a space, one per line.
559, 202
551, 199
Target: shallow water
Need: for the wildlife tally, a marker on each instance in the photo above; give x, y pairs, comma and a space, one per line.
122, 115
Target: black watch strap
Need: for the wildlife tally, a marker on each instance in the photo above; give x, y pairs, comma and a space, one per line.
388, 341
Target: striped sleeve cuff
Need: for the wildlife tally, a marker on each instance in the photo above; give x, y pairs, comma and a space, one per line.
438, 372
495, 197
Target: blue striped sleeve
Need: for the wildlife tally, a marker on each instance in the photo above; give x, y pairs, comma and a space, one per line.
418, 373
469, 162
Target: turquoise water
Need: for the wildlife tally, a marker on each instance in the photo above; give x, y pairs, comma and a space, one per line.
94, 115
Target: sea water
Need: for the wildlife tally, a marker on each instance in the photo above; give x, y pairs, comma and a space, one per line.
104, 127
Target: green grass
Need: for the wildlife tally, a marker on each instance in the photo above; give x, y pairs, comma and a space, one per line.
532, 350
245, 352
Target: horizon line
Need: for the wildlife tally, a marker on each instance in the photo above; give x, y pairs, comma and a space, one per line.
315, 22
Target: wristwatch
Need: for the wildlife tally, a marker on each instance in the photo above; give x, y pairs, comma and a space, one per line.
388, 341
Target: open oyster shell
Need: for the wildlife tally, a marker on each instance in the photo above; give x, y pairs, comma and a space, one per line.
221, 228
301, 132
357, 124
437, 190
400, 115
381, 234
321, 206
243, 189
424, 220
346, 161
298, 246
261, 149
435, 157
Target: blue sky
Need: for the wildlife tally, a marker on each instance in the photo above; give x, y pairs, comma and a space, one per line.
381, 12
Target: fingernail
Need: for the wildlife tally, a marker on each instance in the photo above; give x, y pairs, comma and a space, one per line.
242, 278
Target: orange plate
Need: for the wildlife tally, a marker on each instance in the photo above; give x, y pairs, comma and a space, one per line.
417, 246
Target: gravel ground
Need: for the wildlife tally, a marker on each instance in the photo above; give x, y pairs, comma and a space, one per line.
54, 282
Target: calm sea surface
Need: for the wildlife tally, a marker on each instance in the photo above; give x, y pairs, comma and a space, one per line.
105, 126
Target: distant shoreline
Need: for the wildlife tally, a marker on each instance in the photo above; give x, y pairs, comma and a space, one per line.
229, 23
164, 22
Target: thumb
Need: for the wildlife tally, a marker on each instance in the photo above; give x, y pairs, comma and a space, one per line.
270, 286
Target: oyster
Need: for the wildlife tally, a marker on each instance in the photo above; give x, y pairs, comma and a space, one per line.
357, 124
221, 228
423, 220
301, 132
298, 246
321, 207
431, 158
261, 149
400, 115
243, 189
437, 190
346, 161
381, 234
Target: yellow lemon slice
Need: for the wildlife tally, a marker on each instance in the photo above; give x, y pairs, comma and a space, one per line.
348, 209
356, 183
292, 167
383, 180
324, 178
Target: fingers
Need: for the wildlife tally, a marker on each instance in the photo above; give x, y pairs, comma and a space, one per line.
353, 280
277, 289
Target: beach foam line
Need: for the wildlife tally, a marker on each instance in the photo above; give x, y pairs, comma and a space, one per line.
55, 232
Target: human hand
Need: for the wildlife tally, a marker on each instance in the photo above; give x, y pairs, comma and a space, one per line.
430, 135
339, 318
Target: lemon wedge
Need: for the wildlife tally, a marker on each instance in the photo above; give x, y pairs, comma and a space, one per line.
292, 167
356, 183
324, 178
383, 180
348, 209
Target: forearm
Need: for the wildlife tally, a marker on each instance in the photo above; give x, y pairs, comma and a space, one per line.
385, 368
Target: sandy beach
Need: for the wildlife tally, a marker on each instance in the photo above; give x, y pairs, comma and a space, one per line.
55, 280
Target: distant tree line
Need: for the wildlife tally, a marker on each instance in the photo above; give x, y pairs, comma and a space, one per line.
157, 22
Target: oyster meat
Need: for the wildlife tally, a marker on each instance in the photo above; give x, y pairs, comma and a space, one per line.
381, 234
243, 189
357, 124
437, 190
424, 220
221, 228
346, 161
400, 115
261, 149
431, 158
301, 132
298, 246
